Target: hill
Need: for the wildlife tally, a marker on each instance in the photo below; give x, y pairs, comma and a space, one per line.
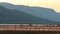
8, 16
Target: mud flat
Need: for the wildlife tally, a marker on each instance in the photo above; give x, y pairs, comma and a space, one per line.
29, 29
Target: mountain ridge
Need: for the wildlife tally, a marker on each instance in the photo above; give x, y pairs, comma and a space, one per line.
8, 16
42, 12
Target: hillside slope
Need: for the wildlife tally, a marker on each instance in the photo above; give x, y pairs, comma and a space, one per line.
8, 16
40, 12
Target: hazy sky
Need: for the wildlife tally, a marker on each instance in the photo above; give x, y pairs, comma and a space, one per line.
54, 4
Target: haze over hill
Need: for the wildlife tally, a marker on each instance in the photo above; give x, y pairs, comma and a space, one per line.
8, 16
10, 13
42, 12
54, 4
